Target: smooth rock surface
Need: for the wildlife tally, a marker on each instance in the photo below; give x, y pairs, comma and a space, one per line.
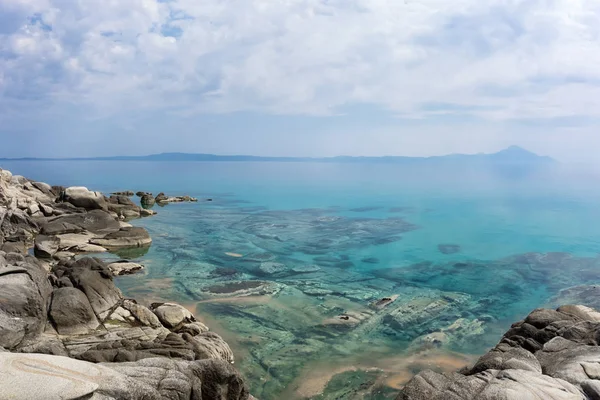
172, 315
71, 312
82, 197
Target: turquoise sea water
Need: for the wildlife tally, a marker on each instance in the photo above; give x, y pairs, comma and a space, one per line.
467, 251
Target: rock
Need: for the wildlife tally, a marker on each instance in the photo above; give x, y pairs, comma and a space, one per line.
44, 188
147, 213
271, 268
14, 247
552, 354
370, 260
34, 210
141, 194
46, 246
71, 312
193, 328
48, 377
147, 201
510, 384
121, 315
46, 209
172, 315
84, 198
60, 228
209, 345
504, 357
384, 302
24, 298
17, 224
94, 279
125, 237
305, 269
143, 314
161, 198
127, 193
37, 376
64, 255
123, 207
125, 267
96, 221
449, 248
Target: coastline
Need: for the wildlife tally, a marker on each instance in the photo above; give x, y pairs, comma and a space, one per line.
542, 355
62, 316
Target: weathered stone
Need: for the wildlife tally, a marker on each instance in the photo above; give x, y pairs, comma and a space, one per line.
96, 221
71, 312
172, 315
24, 298
125, 237
147, 200
84, 198
94, 279
143, 314
46, 246
125, 268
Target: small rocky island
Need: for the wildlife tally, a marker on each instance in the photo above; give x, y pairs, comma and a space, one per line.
67, 332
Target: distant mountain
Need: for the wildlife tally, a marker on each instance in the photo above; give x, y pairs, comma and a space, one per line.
511, 155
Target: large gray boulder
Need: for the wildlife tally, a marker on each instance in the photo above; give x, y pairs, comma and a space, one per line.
513, 384
143, 314
82, 197
96, 221
71, 312
93, 278
46, 246
24, 298
125, 237
125, 267
40, 376
172, 315
60, 227
147, 200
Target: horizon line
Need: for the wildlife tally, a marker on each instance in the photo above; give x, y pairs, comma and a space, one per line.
273, 158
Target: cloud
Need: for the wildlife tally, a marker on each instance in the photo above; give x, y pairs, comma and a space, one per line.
498, 60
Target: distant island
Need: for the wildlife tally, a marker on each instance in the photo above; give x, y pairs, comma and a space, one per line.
510, 155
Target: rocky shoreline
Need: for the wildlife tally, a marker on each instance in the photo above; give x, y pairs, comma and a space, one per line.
551, 355
67, 332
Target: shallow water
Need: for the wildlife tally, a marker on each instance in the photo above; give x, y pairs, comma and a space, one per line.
467, 252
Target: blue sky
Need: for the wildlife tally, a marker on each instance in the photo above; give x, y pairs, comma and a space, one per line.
299, 77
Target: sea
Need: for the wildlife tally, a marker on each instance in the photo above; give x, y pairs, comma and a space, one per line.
343, 280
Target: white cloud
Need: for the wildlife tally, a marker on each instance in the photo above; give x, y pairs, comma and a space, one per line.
495, 59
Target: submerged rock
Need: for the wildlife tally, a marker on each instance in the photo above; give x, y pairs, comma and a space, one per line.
271, 268
449, 248
243, 288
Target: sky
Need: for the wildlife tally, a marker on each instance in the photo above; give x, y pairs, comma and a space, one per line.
299, 77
